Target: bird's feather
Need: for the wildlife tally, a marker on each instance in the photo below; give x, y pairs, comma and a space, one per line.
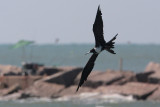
98, 29
111, 41
87, 69
110, 45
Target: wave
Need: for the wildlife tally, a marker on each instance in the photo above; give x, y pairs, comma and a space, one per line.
34, 100
28, 100
85, 98
91, 98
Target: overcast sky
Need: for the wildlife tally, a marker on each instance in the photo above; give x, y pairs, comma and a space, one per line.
137, 21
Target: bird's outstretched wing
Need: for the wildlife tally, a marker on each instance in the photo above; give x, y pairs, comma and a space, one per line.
87, 69
98, 29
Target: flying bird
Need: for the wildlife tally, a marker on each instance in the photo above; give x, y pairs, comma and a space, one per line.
100, 45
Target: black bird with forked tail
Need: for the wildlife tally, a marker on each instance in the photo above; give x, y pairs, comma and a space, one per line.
100, 45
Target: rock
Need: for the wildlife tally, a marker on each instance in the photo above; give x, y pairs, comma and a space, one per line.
9, 70
11, 90
66, 77
128, 76
96, 79
88, 83
72, 91
9, 97
15, 96
3, 85
23, 81
47, 70
108, 77
152, 66
155, 77
144, 76
155, 96
92, 74
43, 89
66, 68
137, 90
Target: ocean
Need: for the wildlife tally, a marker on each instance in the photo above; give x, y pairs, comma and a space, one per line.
52, 103
135, 58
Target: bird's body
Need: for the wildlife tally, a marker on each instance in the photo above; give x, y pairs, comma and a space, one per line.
100, 45
98, 49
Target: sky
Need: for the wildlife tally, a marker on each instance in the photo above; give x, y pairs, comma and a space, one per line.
136, 21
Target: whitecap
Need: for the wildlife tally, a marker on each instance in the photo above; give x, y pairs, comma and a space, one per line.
97, 98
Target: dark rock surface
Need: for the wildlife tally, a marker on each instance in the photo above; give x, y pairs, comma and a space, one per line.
97, 79
144, 76
66, 77
48, 70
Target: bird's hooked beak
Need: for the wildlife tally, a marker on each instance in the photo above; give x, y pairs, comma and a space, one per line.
87, 53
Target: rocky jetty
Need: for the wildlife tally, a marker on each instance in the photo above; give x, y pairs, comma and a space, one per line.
9, 70
55, 82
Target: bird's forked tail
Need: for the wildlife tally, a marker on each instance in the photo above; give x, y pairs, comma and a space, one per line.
110, 45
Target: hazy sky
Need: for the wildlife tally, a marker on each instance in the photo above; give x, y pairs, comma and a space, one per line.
137, 21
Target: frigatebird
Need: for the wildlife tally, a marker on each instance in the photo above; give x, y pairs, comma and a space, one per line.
100, 45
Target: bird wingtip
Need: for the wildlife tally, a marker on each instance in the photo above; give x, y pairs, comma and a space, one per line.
99, 7
77, 88
116, 35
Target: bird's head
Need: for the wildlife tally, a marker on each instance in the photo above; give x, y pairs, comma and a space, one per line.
91, 51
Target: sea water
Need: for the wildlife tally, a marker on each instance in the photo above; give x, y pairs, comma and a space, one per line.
52, 103
135, 58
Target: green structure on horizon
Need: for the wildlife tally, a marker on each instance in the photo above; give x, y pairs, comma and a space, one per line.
22, 43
